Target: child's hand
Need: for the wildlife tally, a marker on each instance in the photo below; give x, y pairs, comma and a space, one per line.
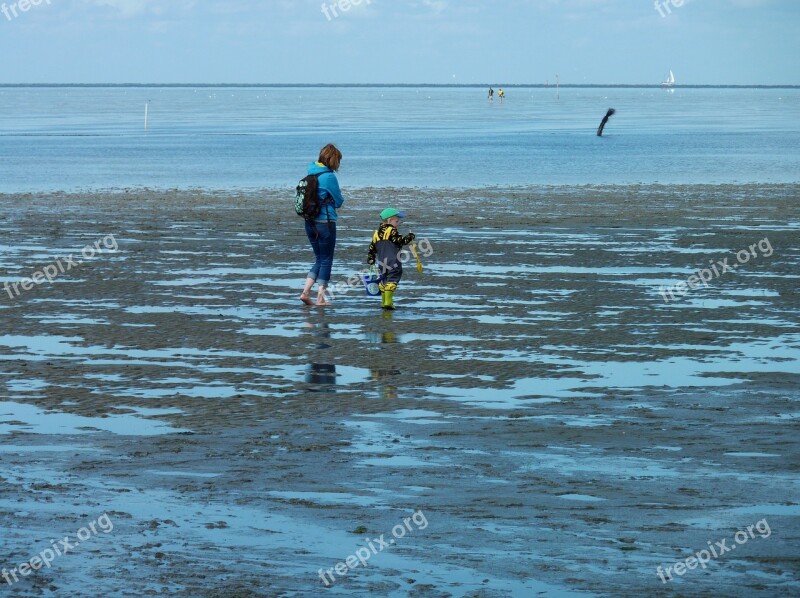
412, 236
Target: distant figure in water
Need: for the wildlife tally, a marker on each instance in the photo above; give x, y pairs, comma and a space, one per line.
491, 94
608, 115
502, 95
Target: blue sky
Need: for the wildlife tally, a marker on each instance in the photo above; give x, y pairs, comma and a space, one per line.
401, 41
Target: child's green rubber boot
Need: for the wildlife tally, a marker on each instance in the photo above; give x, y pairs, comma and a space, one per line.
388, 300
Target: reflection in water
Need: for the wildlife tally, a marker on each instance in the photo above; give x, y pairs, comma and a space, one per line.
319, 330
382, 338
386, 336
383, 378
321, 373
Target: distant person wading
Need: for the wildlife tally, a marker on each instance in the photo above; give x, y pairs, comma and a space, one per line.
321, 230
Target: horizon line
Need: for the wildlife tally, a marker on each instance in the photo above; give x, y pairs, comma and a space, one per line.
442, 85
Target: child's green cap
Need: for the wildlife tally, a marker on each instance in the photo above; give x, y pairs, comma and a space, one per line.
389, 212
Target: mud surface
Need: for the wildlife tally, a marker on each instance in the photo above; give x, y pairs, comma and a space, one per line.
563, 429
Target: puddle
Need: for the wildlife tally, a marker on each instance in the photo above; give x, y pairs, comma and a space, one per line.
105, 377
241, 313
200, 297
195, 392
406, 414
751, 455
340, 498
418, 488
714, 303
410, 416
23, 385
580, 421
411, 337
203, 280
777, 510
252, 530
186, 474
400, 461
220, 272
68, 319
183, 282
568, 463
39, 348
334, 374
778, 417
321, 373
513, 270
374, 441
551, 389
284, 330
581, 497
733, 517
533, 316
481, 377
751, 293
176, 380
442, 304
778, 354
91, 305
26, 448
28, 418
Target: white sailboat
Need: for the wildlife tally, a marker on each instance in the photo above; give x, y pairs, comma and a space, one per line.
670, 80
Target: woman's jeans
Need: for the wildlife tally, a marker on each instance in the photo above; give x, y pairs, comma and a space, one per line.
322, 236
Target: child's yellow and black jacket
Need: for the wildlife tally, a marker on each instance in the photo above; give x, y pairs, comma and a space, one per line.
384, 249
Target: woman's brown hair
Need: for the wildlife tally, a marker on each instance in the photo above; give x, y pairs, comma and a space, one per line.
330, 156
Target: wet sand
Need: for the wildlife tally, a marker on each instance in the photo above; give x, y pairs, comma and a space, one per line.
562, 428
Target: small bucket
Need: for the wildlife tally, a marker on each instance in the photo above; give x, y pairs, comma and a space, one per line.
371, 281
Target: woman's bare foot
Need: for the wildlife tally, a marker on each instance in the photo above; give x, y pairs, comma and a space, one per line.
322, 300
305, 298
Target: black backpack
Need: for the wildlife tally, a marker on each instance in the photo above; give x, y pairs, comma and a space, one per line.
306, 199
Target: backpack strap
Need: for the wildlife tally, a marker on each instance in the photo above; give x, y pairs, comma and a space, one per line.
325, 205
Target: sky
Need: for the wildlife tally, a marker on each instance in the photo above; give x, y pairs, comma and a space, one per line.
713, 42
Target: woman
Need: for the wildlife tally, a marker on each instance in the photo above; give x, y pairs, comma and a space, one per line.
322, 232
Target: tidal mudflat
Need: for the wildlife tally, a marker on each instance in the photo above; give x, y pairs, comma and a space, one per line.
562, 428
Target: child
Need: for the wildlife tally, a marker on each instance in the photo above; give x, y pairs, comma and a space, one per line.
385, 247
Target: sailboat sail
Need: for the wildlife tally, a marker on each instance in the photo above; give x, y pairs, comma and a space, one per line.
670, 80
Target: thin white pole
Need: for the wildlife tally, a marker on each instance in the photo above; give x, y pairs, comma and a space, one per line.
146, 106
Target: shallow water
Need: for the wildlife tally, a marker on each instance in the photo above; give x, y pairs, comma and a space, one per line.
576, 431
93, 138
37, 421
